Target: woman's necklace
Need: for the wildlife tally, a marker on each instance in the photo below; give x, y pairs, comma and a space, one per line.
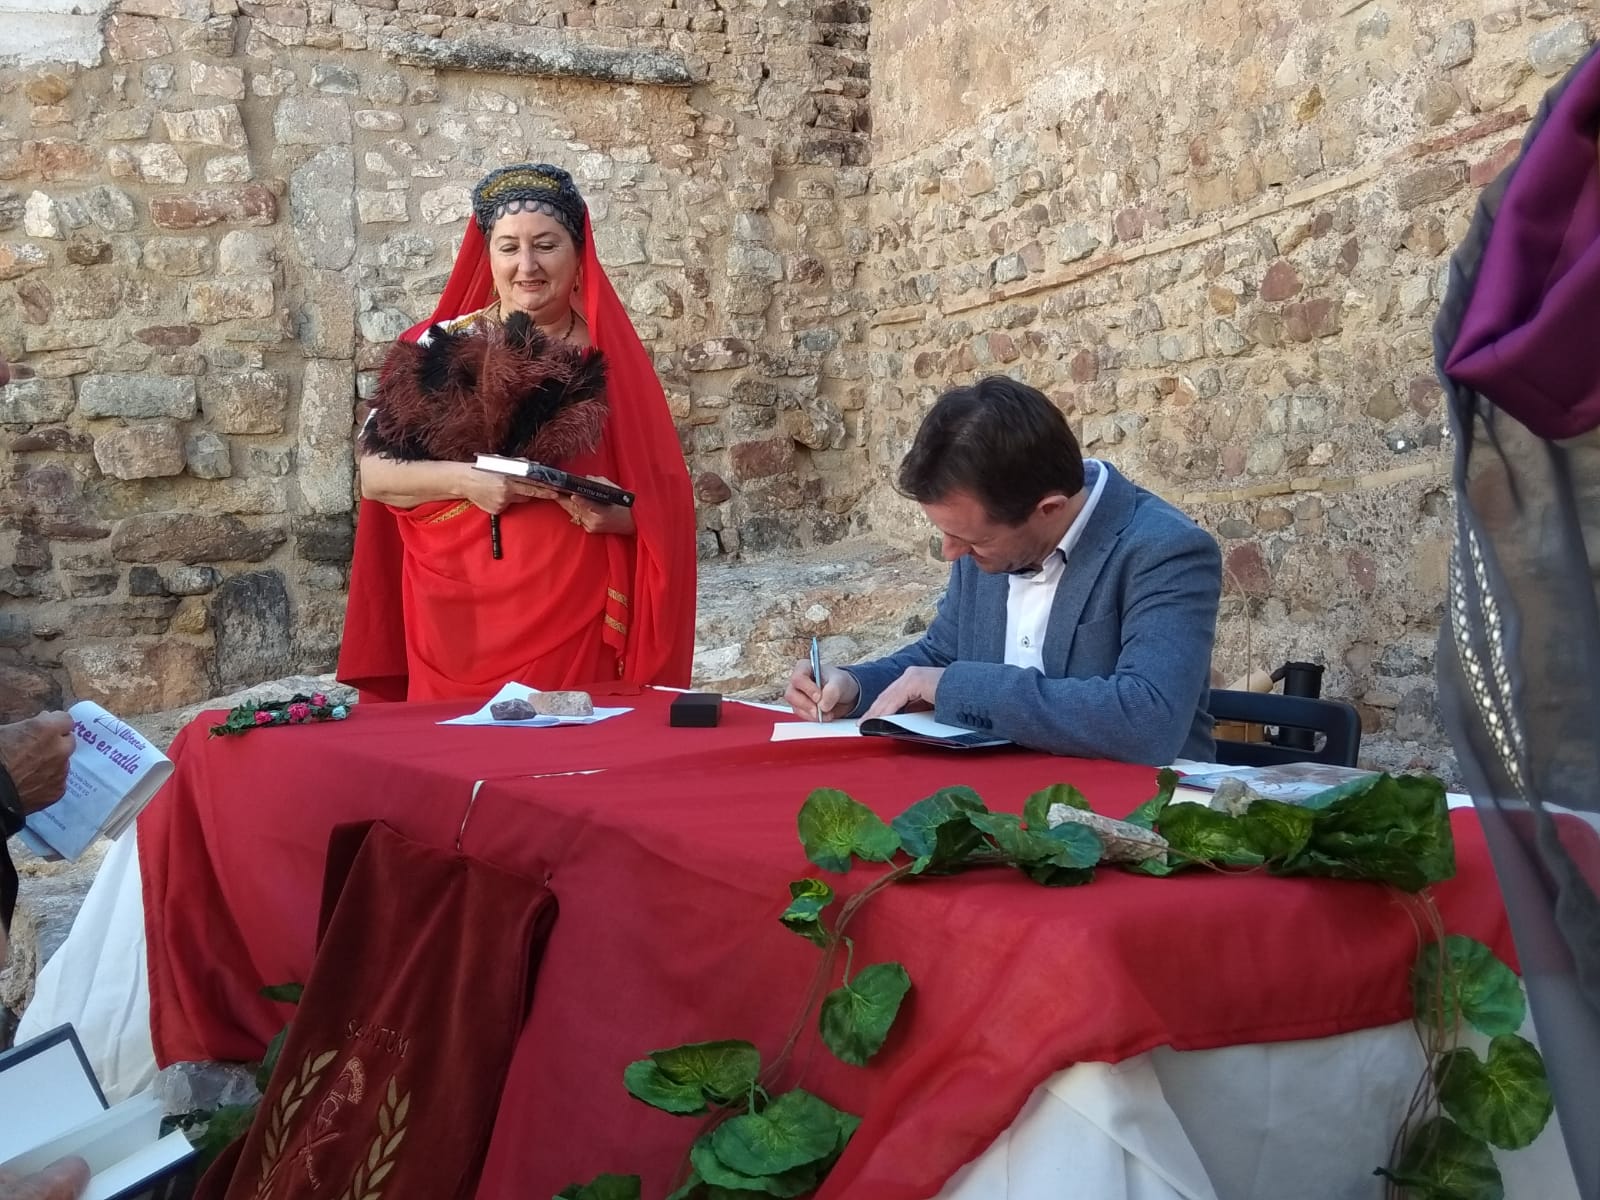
572, 321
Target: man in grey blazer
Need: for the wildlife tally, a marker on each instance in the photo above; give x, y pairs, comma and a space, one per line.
1081, 608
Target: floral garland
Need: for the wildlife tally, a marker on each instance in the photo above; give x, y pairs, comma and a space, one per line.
299, 709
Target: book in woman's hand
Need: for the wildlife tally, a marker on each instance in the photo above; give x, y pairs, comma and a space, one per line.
111, 776
555, 479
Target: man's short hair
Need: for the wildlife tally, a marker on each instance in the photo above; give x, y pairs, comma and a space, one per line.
998, 439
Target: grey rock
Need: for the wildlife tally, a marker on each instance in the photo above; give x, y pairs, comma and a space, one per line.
563, 704
322, 205
146, 450
136, 396
324, 539
251, 616
35, 400
111, 208
1553, 50
207, 457
327, 414
552, 60
311, 121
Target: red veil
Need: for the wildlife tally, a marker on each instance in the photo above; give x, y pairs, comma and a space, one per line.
650, 584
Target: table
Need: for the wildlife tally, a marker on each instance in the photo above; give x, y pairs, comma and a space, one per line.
670, 864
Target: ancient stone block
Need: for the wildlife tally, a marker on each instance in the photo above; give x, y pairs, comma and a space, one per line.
130, 38
219, 126
206, 456
557, 60
762, 459
135, 677
18, 258
1280, 282
450, 206
245, 401
178, 256
251, 616
27, 689
711, 488
111, 209
326, 461
146, 450
310, 121
229, 168
136, 396
323, 214
324, 538
35, 400
251, 204
1430, 184
718, 354
338, 81
192, 538
379, 121
241, 253
161, 164
211, 79
1551, 51
214, 301
377, 208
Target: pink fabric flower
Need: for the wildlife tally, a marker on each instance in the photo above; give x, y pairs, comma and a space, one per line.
319, 700
299, 712
263, 718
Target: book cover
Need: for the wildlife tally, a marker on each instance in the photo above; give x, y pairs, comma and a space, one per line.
555, 479
921, 727
1291, 783
54, 1107
113, 773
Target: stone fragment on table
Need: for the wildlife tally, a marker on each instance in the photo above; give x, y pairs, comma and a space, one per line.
1233, 796
1122, 841
512, 710
563, 704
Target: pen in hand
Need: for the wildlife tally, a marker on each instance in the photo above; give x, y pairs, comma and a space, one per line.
816, 673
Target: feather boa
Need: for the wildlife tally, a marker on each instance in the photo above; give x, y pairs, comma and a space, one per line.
507, 389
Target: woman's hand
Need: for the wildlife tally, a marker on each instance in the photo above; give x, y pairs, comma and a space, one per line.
495, 493
596, 518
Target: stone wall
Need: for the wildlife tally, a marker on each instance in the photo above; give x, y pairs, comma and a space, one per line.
209, 237
1217, 235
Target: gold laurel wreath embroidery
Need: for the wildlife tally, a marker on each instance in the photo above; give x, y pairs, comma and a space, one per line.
367, 1182
283, 1111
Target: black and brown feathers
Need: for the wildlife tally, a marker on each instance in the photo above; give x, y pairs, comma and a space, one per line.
506, 389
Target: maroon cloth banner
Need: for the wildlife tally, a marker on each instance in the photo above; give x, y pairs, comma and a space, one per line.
671, 865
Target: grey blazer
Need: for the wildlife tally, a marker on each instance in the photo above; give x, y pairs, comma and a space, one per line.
1127, 652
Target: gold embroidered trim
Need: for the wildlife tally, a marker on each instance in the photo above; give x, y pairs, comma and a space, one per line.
490, 312
617, 625
617, 596
449, 514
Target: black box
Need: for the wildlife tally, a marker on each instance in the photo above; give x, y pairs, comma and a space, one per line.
696, 709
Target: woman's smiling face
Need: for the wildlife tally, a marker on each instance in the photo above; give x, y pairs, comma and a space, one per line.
534, 263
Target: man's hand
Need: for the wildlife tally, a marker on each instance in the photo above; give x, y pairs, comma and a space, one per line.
836, 697
65, 1179
35, 754
914, 691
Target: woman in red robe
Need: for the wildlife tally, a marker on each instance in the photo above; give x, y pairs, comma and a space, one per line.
584, 593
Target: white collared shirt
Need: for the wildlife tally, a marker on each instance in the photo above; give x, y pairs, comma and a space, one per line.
1029, 602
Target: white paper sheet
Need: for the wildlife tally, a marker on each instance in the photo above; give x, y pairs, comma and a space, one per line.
761, 704
516, 691
805, 731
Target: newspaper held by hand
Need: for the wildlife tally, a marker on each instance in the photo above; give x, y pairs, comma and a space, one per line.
111, 776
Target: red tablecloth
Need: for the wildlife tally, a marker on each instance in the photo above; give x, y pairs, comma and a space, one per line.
670, 865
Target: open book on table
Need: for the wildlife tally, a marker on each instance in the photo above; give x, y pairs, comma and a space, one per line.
54, 1107
111, 776
917, 727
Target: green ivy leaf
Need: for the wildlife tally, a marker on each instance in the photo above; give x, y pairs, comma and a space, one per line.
833, 827
808, 897
796, 1129
935, 830
723, 1181
681, 1080
222, 1129
1506, 1101
284, 993
1394, 830
1036, 810
1070, 847
856, 1018
1202, 834
1441, 1162
1275, 830
269, 1060
1486, 992
1148, 813
602, 1187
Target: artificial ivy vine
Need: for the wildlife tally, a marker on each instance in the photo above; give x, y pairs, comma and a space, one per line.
1385, 829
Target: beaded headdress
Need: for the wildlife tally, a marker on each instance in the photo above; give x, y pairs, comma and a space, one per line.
529, 187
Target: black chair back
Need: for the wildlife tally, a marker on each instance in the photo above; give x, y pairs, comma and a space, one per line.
1337, 722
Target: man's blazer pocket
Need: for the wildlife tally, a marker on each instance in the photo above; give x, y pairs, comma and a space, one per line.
1096, 646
